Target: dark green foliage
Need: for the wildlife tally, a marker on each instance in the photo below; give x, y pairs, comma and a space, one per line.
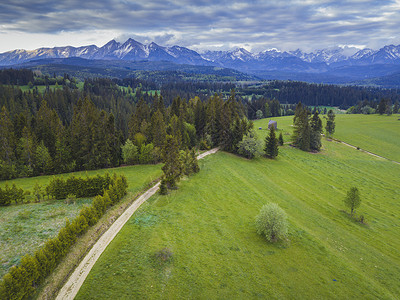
22, 280
163, 187
11, 195
307, 131
301, 131
271, 148
383, 106
172, 166
280, 139
194, 164
60, 188
396, 107
316, 131
352, 199
330, 123
189, 163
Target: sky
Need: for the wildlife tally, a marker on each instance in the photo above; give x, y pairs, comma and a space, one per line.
201, 24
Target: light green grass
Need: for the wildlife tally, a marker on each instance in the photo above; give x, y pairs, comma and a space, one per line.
374, 133
208, 226
41, 88
24, 228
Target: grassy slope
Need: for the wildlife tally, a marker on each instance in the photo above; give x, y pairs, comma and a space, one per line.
23, 228
208, 224
374, 133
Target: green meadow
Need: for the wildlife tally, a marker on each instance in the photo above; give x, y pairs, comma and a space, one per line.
24, 228
200, 241
374, 133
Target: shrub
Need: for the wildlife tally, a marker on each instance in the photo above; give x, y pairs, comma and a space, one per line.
164, 255
9, 195
272, 222
249, 146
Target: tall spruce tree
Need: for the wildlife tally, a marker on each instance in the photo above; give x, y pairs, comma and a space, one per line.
302, 130
316, 130
158, 131
172, 166
271, 144
330, 123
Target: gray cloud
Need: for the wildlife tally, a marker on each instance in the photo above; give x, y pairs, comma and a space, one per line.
307, 24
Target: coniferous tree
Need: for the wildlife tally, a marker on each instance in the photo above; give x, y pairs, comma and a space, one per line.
174, 129
26, 150
330, 123
194, 164
172, 167
382, 107
163, 187
271, 148
396, 107
199, 118
301, 131
158, 131
280, 139
7, 138
316, 130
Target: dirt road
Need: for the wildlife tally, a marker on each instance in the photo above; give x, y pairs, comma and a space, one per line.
75, 281
365, 151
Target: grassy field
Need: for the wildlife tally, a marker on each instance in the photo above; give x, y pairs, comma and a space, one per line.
212, 251
374, 133
24, 228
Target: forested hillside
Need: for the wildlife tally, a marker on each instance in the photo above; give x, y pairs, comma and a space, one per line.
55, 124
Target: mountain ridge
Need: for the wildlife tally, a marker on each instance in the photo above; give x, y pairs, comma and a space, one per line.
336, 64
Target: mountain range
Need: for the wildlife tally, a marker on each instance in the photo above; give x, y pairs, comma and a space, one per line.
340, 64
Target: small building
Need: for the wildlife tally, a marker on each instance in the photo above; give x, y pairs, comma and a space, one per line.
272, 123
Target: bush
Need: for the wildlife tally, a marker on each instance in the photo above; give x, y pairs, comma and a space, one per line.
272, 222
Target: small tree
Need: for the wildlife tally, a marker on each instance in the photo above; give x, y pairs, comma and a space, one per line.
352, 200
271, 144
259, 114
272, 222
129, 152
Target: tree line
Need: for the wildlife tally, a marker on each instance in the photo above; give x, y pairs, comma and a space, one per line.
291, 92
39, 142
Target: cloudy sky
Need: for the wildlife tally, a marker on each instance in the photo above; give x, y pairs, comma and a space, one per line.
200, 24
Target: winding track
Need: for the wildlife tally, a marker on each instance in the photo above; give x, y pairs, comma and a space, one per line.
75, 281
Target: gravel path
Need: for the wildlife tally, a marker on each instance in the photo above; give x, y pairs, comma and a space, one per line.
75, 281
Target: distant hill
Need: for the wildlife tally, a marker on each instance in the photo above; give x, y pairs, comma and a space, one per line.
89, 68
